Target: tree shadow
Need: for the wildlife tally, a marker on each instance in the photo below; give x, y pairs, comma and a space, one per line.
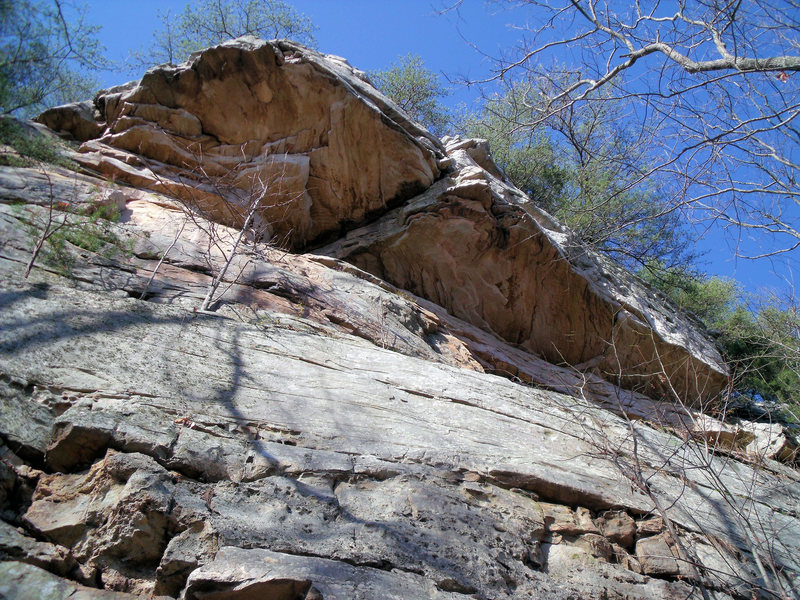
42, 329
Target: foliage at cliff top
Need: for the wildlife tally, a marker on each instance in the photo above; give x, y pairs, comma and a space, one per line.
211, 22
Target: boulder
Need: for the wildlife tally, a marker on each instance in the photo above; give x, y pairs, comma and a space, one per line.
770, 440
79, 120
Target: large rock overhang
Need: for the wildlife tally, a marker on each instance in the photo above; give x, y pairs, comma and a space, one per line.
327, 151
481, 249
331, 154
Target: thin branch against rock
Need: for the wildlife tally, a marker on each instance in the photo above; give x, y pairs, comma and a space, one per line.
51, 224
258, 194
240, 202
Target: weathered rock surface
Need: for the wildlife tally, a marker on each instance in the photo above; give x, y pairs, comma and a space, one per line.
276, 575
314, 293
79, 120
18, 545
759, 440
480, 248
332, 153
330, 149
334, 296
323, 433
25, 582
306, 445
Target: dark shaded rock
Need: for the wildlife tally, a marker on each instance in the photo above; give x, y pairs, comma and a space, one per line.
76, 445
15, 545
78, 120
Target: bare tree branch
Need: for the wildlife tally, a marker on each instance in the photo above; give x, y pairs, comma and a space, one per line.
724, 97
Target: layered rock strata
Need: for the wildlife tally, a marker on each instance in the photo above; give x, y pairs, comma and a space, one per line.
307, 138
324, 431
337, 298
481, 249
297, 443
323, 147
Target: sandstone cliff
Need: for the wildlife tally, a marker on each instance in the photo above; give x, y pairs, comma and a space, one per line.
451, 398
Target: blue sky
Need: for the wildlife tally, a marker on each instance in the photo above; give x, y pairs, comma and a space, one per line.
372, 34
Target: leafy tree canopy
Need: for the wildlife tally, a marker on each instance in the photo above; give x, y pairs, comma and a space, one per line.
211, 22
416, 90
759, 338
44, 57
720, 78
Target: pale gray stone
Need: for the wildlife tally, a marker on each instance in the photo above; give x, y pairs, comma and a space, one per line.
406, 419
285, 577
19, 581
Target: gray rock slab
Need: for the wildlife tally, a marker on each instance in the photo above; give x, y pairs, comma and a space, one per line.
15, 545
20, 581
284, 576
336, 399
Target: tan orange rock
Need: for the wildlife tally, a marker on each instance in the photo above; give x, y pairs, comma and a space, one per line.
79, 120
323, 152
481, 249
326, 148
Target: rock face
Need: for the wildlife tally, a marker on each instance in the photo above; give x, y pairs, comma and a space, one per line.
479, 248
165, 448
328, 150
321, 151
327, 432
